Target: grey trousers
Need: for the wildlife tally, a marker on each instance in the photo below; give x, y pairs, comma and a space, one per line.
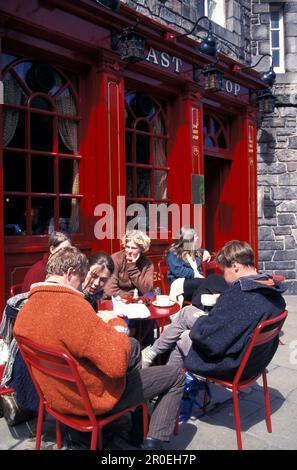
166, 383
176, 336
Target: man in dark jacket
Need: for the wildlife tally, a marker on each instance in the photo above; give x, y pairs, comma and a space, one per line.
213, 344
219, 339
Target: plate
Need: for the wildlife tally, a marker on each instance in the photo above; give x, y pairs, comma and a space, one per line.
171, 302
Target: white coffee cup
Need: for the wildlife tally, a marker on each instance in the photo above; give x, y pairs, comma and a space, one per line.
163, 300
208, 300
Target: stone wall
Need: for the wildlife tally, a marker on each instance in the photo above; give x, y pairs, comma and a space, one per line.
277, 152
182, 14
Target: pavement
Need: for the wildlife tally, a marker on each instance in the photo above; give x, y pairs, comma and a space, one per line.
214, 429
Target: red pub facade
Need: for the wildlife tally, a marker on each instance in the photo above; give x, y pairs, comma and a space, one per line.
84, 131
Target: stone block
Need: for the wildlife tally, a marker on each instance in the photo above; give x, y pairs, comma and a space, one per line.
266, 157
261, 8
290, 242
267, 180
290, 7
278, 145
291, 29
284, 193
261, 169
288, 179
269, 245
265, 18
265, 255
168, 16
292, 166
290, 45
276, 168
291, 62
288, 206
261, 33
269, 221
288, 155
282, 138
265, 233
279, 265
285, 255
286, 219
286, 132
269, 210
278, 122
265, 136
293, 145
282, 230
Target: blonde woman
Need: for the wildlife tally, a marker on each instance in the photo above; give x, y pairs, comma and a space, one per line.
184, 260
133, 270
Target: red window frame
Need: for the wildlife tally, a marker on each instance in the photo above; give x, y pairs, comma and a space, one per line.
28, 152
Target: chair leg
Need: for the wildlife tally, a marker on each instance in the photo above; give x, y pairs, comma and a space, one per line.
58, 434
237, 418
267, 402
96, 440
205, 401
39, 425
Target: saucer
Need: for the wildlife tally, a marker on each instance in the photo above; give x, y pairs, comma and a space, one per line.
171, 302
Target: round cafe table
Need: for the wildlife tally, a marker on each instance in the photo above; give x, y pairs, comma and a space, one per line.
157, 314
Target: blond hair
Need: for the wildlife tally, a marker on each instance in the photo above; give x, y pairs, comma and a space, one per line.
140, 239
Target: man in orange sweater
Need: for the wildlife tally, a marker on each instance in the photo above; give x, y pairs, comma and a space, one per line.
57, 315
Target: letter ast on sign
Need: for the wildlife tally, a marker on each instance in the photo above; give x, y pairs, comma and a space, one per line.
164, 59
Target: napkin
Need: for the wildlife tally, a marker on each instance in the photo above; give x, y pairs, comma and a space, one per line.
130, 310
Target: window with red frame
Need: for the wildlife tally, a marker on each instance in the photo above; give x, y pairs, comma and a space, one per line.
146, 155
40, 148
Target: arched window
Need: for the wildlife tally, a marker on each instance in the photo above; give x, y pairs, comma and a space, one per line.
216, 134
40, 149
146, 156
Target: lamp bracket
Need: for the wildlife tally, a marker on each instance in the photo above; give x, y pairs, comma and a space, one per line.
238, 68
171, 36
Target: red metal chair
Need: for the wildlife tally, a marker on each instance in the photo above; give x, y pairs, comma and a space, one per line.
162, 271
15, 289
4, 390
62, 366
264, 333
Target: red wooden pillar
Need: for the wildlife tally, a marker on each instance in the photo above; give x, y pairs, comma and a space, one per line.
2, 274
186, 150
251, 130
104, 166
243, 180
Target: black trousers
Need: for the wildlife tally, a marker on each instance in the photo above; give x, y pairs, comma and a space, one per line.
212, 284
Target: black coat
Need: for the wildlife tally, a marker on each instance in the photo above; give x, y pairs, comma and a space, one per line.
220, 339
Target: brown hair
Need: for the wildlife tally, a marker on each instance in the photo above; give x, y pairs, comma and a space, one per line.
185, 243
65, 258
57, 238
235, 251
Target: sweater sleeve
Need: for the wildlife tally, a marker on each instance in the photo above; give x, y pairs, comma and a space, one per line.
177, 268
108, 349
142, 278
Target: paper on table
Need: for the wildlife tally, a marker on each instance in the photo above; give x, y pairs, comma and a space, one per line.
130, 310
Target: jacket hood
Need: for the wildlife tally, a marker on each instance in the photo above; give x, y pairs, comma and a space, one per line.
263, 282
